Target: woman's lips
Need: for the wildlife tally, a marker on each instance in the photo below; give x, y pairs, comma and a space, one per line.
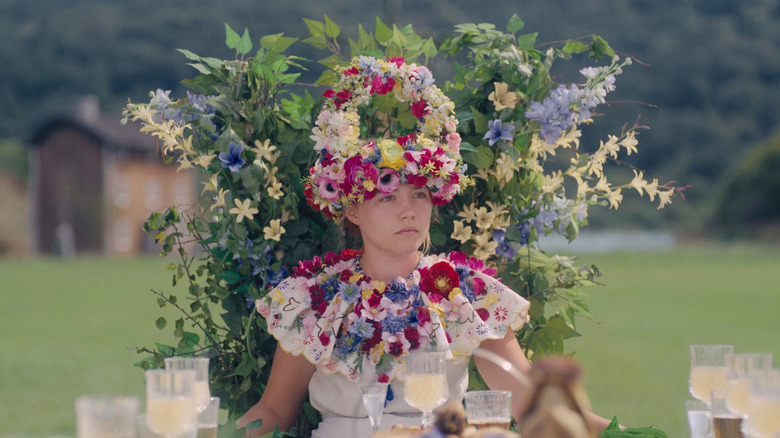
407, 230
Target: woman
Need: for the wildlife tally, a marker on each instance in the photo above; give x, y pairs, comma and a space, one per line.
350, 318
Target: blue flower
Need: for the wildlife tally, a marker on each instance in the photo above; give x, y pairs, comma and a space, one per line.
232, 158
397, 291
347, 344
276, 277
497, 132
525, 232
330, 288
361, 328
503, 249
350, 293
554, 113
393, 324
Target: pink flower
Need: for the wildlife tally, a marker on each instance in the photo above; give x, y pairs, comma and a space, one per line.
397, 60
360, 176
420, 108
327, 188
388, 180
457, 308
453, 143
379, 85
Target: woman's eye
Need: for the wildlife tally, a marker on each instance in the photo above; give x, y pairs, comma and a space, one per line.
421, 194
386, 198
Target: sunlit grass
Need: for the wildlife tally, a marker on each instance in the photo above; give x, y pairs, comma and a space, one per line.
67, 328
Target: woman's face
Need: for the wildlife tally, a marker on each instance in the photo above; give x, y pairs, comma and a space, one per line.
395, 223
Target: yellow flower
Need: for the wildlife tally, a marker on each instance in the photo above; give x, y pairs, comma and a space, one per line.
274, 230
265, 150
502, 98
392, 154
277, 296
454, 293
485, 247
665, 197
275, 191
243, 209
461, 232
485, 218
219, 200
615, 197
489, 300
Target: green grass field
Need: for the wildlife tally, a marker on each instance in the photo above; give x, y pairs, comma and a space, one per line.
67, 328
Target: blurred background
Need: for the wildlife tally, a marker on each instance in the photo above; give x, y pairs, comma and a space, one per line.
706, 85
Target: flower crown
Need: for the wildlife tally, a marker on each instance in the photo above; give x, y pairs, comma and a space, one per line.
350, 169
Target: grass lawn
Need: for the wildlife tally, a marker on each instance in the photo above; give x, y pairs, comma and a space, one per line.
654, 306
68, 325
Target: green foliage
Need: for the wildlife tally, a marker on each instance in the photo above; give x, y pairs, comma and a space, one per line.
748, 202
248, 134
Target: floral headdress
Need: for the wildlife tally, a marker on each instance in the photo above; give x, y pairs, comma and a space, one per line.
350, 169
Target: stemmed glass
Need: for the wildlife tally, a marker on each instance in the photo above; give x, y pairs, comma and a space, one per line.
374, 395
426, 383
170, 401
708, 369
738, 369
763, 420
201, 367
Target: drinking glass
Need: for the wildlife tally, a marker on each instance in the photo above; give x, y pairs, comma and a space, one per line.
104, 416
489, 409
426, 383
208, 419
708, 369
170, 401
725, 424
738, 369
698, 418
764, 403
201, 367
374, 395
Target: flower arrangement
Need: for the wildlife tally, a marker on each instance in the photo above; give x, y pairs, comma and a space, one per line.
338, 317
503, 149
350, 169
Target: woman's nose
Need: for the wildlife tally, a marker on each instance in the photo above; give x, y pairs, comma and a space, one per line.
407, 212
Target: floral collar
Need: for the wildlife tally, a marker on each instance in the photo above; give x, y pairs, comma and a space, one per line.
380, 322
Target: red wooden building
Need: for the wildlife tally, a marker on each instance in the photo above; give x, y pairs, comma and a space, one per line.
93, 183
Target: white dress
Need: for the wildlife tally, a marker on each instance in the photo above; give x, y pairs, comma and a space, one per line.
357, 330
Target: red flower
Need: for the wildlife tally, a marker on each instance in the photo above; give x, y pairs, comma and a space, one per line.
397, 60
413, 336
352, 71
417, 180
395, 348
383, 378
483, 314
406, 140
439, 279
420, 108
324, 339
380, 86
328, 93
478, 285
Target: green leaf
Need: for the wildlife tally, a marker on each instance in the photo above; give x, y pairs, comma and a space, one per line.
331, 29
245, 44
232, 39
382, 33
482, 159
316, 28
527, 41
277, 42
161, 323
574, 47
599, 47
515, 24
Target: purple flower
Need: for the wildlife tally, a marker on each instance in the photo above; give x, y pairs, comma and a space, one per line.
232, 158
496, 132
554, 113
525, 233
503, 249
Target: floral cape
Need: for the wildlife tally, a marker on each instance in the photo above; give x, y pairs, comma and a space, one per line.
342, 321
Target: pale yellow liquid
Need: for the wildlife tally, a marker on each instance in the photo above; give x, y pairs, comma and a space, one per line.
202, 394
764, 416
501, 423
207, 432
426, 392
705, 379
737, 391
170, 415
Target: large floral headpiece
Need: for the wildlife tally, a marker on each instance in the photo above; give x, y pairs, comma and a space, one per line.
419, 145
